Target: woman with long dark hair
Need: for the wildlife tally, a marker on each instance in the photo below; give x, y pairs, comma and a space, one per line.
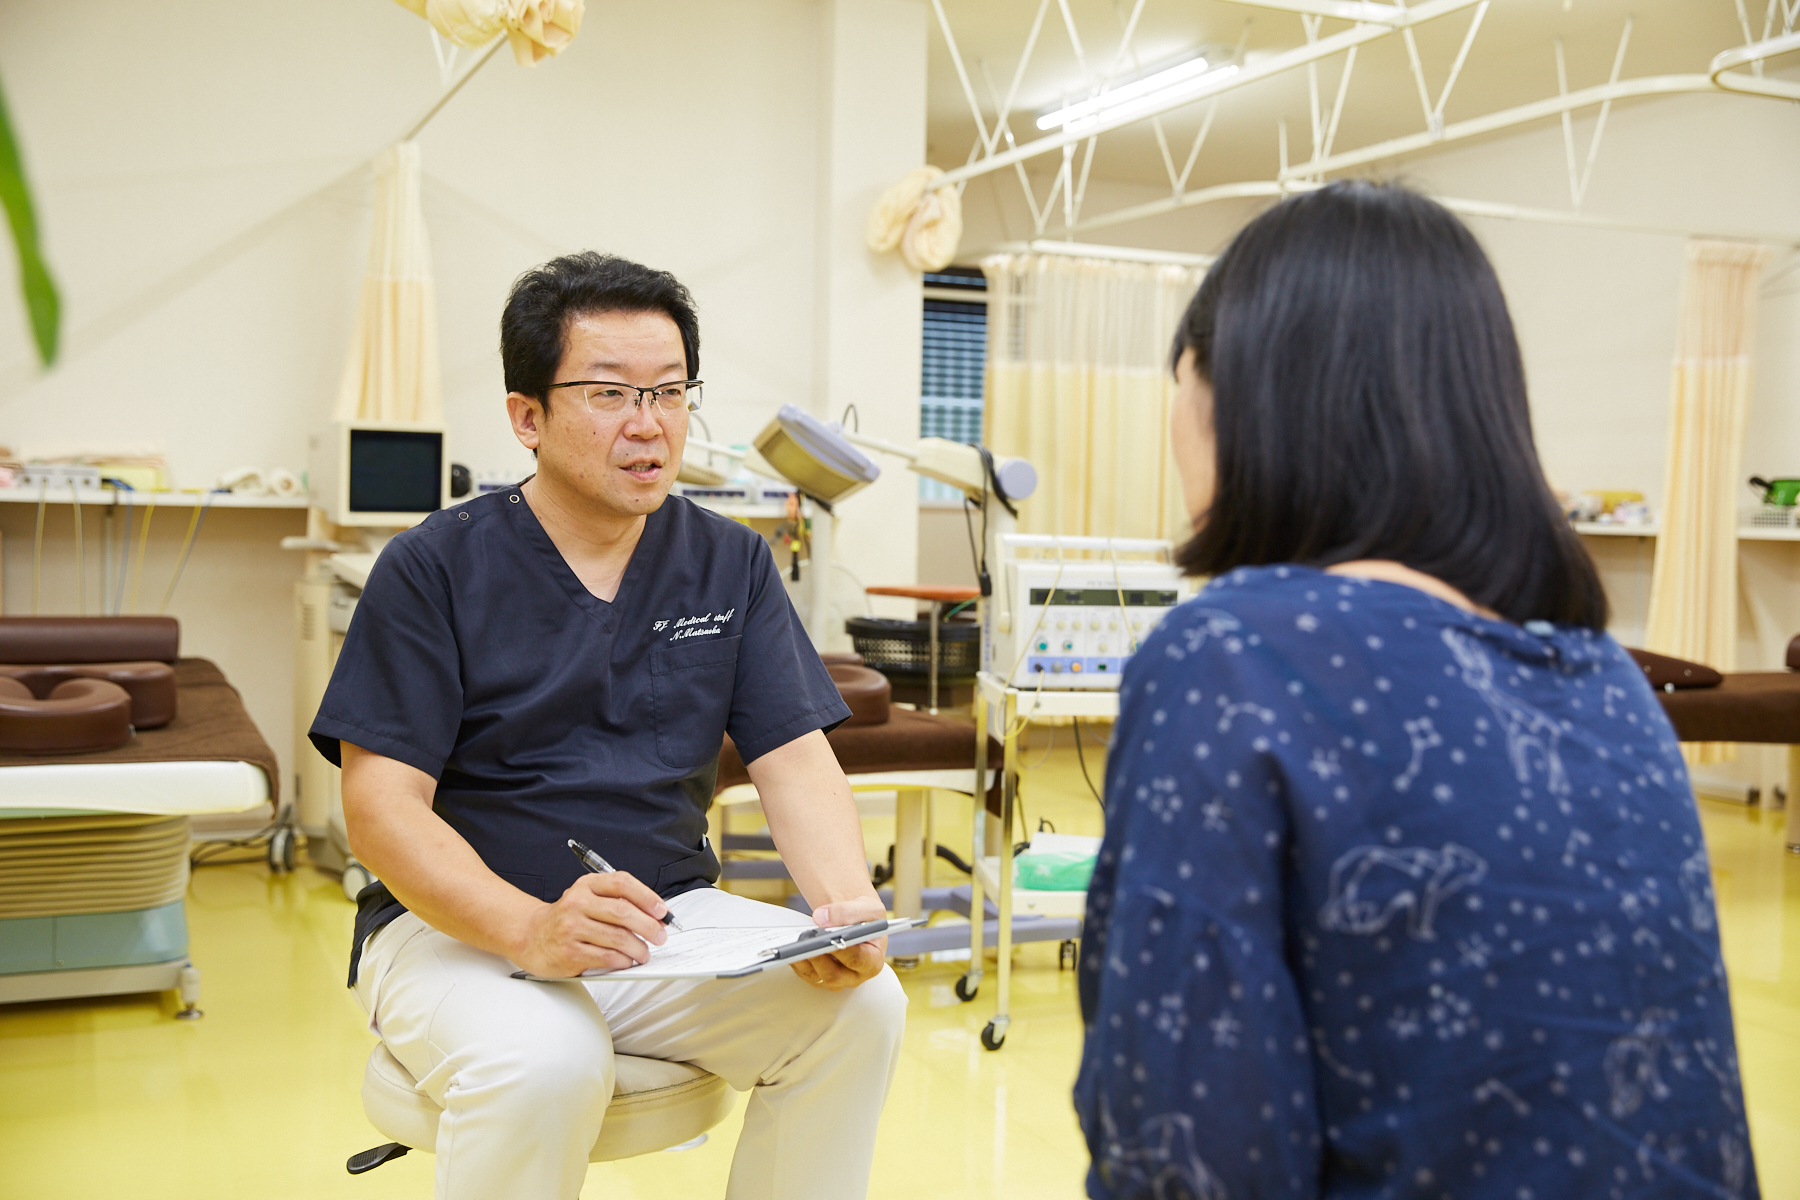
1403, 890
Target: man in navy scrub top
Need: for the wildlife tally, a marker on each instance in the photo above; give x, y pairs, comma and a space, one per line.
561, 660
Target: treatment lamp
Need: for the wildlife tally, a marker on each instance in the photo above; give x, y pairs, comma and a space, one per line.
821, 459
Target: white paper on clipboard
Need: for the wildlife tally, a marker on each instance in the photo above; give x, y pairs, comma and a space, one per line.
729, 952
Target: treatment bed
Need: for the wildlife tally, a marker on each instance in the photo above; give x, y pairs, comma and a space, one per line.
1743, 706
94, 846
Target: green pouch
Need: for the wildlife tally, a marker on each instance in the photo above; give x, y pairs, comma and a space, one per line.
1054, 871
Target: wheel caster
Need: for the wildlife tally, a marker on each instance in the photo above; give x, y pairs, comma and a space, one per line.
990, 1039
1065, 956
188, 986
281, 851
965, 990
906, 962
356, 878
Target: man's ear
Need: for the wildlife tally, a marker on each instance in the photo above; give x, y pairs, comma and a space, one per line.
528, 415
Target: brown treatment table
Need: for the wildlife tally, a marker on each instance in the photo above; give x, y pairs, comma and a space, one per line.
910, 753
881, 748
1743, 706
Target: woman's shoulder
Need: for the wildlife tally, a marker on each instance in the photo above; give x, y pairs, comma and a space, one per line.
1249, 606
1238, 629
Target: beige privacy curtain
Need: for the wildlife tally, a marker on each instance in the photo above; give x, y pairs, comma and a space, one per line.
1693, 588
392, 372
1078, 382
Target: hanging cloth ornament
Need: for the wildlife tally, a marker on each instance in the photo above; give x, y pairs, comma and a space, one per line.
535, 29
925, 225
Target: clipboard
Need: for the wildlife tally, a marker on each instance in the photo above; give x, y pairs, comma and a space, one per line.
733, 952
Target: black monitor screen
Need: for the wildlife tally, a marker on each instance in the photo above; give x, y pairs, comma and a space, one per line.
395, 470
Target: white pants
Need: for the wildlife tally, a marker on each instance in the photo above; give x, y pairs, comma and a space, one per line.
523, 1071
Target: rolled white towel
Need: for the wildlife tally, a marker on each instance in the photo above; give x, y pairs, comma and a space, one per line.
284, 483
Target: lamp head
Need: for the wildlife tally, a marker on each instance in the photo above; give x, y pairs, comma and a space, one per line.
961, 467
813, 456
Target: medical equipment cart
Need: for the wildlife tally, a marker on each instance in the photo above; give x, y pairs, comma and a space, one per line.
1011, 708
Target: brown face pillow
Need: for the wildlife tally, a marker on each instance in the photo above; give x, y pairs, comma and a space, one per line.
76, 716
1668, 674
151, 685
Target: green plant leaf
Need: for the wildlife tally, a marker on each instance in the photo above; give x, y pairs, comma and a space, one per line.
41, 300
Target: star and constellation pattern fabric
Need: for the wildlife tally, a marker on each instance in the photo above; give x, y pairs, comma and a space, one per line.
1398, 901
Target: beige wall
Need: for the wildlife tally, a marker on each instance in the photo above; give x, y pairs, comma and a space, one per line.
201, 169
995, 212
944, 554
1595, 310
868, 309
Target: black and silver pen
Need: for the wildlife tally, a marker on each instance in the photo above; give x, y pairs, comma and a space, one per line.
600, 866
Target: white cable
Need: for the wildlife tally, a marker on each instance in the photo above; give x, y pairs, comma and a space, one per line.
1119, 590
80, 554
1024, 719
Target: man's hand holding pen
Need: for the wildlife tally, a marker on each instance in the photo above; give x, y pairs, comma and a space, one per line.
606, 920
603, 921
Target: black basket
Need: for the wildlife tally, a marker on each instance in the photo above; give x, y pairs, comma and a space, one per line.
903, 648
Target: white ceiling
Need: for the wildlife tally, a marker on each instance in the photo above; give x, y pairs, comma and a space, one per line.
1513, 61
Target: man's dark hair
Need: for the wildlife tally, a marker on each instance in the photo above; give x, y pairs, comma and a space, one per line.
1369, 402
534, 326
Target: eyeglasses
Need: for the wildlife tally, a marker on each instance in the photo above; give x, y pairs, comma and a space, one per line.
610, 399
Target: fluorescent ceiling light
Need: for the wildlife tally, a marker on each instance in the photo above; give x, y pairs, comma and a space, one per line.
1152, 91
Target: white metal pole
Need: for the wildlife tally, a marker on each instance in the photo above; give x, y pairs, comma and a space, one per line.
818, 616
1225, 82
1722, 73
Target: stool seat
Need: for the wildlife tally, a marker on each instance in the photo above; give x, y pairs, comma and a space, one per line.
655, 1105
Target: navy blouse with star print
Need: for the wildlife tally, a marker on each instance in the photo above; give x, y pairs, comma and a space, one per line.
1396, 901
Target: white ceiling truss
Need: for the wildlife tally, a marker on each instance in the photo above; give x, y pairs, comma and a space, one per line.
996, 148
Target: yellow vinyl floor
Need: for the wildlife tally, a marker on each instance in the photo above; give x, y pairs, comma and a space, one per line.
113, 1098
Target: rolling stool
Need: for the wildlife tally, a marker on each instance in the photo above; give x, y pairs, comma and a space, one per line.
655, 1105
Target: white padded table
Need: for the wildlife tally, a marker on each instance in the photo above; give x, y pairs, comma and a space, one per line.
167, 788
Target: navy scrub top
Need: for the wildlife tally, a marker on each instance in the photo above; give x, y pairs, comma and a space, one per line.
546, 713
